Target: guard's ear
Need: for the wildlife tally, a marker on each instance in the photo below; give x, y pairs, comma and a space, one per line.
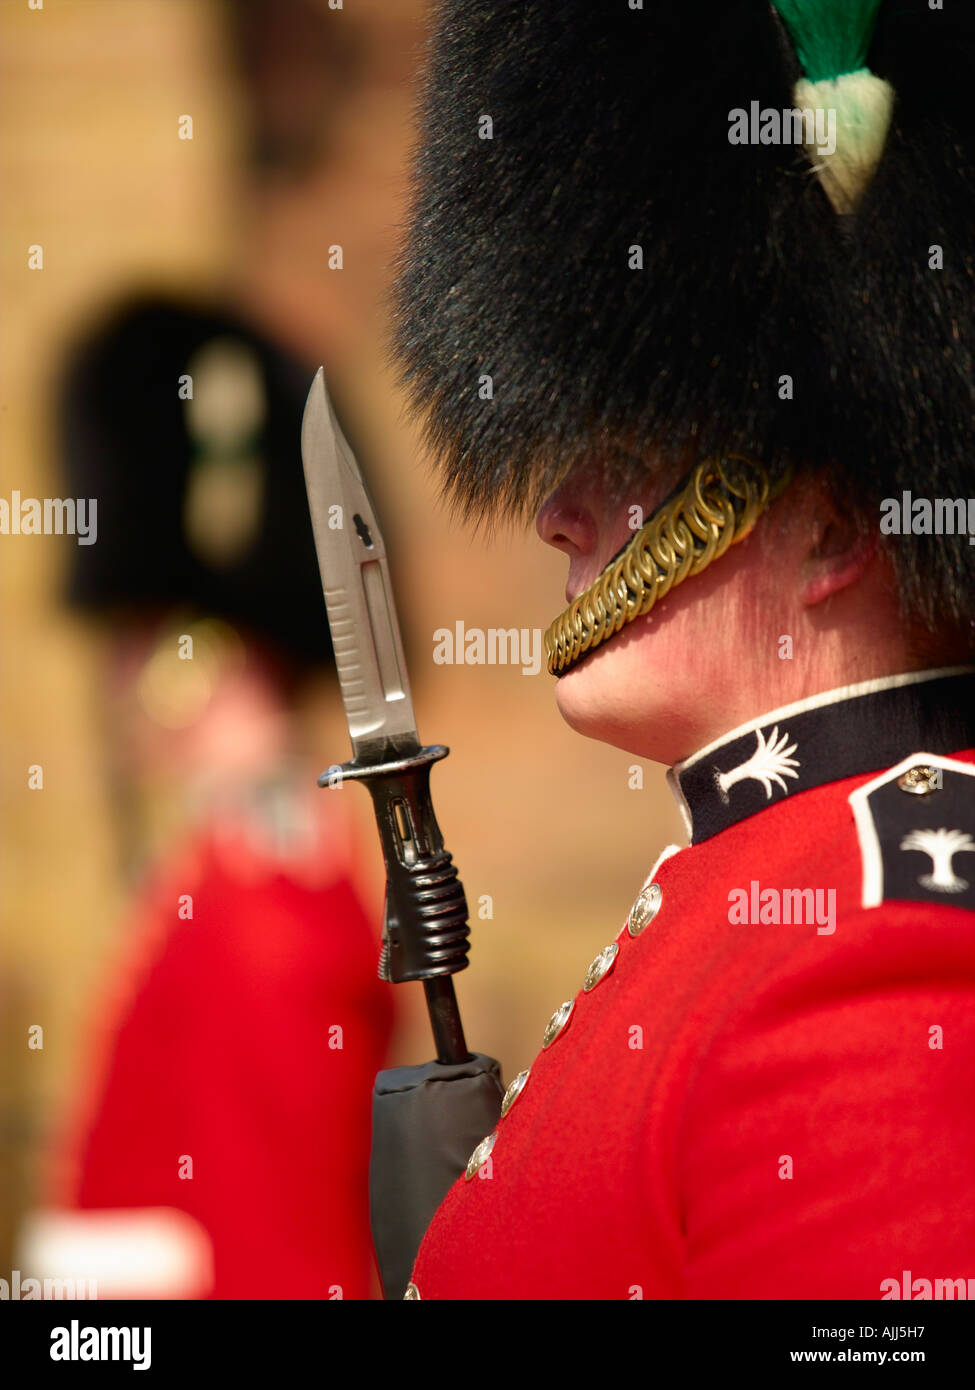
840, 554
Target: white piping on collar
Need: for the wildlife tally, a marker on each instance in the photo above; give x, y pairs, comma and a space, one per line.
827, 697
673, 783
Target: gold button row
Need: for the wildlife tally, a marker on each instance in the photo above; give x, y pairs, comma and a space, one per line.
641, 914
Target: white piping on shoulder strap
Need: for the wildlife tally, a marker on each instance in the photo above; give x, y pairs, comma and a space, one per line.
873, 864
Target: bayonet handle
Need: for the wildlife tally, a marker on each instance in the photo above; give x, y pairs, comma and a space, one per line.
425, 932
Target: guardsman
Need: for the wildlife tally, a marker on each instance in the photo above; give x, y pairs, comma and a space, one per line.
715, 261
225, 1096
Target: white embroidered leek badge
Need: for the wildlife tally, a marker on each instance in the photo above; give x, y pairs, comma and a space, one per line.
941, 846
771, 762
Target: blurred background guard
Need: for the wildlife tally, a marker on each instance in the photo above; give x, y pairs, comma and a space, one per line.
236, 1055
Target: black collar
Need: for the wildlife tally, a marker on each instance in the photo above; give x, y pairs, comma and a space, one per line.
856, 729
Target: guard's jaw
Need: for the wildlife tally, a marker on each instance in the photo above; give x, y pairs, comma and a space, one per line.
715, 508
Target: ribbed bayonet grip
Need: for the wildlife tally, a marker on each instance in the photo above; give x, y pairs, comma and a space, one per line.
426, 933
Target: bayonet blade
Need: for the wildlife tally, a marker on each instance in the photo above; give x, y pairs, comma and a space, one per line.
355, 580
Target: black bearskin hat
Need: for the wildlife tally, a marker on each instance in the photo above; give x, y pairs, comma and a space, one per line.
599, 260
201, 502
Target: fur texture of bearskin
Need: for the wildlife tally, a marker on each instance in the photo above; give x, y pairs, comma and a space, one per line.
610, 130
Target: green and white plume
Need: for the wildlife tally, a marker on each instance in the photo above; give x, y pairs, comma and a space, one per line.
831, 39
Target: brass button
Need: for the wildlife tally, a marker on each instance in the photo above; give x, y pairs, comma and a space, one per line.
558, 1022
513, 1092
645, 909
920, 780
601, 966
480, 1156
412, 1294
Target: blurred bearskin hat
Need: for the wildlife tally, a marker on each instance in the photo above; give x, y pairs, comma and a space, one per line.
184, 423
585, 233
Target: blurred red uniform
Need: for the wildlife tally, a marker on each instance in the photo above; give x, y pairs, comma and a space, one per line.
237, 1072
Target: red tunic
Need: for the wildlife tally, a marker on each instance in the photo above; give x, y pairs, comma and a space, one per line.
760, 1109
245, 1038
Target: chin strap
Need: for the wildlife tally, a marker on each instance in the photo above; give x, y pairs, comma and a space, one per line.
716, 507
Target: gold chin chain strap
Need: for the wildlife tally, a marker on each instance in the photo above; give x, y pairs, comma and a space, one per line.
718, 506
